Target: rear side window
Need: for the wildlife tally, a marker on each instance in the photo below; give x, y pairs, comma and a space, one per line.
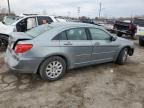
76, 34
44, 20
98, 34
38, 30
61, 36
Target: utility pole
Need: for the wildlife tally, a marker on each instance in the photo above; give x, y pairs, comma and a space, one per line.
100, 9
9, 11
78, 11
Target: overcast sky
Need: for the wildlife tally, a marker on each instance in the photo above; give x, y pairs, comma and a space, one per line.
110, 8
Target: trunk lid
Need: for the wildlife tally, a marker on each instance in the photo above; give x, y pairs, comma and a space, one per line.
15, 37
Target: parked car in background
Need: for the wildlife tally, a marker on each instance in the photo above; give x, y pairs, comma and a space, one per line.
126, 27
107, 25
22, 24
88, 21
139, 22
52, 49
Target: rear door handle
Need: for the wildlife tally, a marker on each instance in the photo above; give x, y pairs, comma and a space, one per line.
97, 44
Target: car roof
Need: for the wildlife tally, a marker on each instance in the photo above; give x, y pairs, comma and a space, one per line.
71, 24
23, 17
36, 16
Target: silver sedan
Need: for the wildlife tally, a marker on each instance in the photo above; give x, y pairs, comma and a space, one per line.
52, 49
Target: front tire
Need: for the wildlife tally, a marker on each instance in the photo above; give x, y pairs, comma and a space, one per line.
122, 58
141, 42
53, 68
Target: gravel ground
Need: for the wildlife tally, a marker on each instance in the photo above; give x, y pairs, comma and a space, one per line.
100, 86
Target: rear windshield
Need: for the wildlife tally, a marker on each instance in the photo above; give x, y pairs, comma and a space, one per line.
139, 22
38, 30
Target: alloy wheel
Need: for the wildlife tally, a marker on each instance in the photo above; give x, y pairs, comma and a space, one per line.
54, 69
125, 55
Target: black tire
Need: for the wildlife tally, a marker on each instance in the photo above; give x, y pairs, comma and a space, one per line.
133, 36
119, 34
51, 72
3, 42
122, 58
141, 43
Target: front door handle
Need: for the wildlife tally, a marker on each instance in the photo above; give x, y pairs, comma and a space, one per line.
68, 43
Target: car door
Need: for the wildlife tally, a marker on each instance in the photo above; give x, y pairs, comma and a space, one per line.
26, 24
76, 46
103, 48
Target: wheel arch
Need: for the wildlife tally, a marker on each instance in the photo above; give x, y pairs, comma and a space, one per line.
59, 55
130, 51
4, 35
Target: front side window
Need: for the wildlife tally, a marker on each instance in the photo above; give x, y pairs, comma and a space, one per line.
98, 34
76, 34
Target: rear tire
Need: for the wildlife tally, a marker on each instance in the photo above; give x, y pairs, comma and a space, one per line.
53, 68
122, 58
3, 42
133, 36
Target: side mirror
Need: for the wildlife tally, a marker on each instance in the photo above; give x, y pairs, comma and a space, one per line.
113, 38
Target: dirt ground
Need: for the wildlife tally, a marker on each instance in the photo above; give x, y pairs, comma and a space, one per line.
100, 86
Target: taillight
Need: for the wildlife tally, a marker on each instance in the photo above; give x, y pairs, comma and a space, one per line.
21, 48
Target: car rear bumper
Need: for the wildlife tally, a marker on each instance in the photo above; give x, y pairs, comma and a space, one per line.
122, 31
21, 65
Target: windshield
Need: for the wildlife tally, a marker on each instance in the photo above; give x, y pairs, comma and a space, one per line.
8, 20
38, 30
139, 22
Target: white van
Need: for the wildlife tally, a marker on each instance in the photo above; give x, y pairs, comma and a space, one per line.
140, 29
22, 24
140, 26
